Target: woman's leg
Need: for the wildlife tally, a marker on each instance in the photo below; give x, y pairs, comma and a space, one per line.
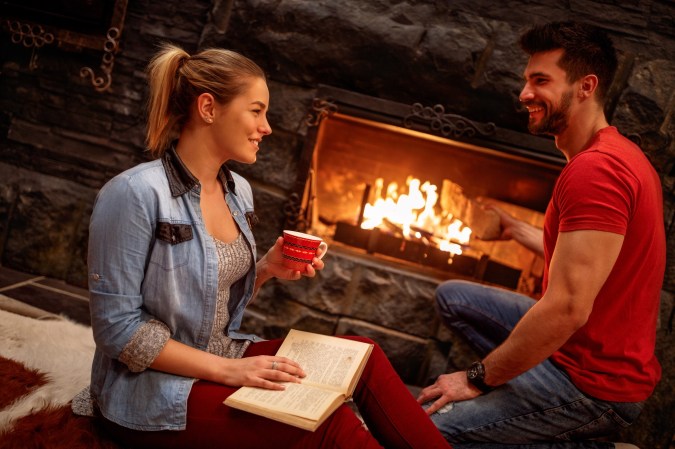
212, 424
389, 409
484, 316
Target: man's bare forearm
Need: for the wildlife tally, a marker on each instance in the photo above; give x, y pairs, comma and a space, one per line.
529, 236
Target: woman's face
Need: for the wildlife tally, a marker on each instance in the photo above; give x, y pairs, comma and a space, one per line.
239, 126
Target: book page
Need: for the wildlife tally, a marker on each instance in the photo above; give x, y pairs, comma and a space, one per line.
301, 400
329, 362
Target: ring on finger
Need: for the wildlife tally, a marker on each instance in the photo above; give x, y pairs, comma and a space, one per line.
274, 365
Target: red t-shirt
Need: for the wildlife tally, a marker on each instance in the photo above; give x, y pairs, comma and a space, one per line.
611, 186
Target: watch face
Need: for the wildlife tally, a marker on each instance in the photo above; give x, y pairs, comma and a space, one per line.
475, 371
476, 374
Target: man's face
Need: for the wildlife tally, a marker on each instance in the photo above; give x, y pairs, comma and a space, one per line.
547, 95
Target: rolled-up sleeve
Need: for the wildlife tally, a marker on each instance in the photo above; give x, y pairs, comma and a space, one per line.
120, 236
145, 345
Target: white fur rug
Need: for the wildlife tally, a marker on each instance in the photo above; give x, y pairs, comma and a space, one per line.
57, 347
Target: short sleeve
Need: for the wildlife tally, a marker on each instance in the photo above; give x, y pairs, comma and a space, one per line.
596, 192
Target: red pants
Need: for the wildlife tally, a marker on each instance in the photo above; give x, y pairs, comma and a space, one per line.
393, 417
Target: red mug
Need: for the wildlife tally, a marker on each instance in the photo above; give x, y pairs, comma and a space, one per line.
299, 249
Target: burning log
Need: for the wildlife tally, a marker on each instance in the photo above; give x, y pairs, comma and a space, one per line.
484, 224
376, 241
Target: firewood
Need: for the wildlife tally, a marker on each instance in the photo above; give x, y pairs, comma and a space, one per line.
485, 224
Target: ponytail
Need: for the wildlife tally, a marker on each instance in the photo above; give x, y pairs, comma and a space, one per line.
162, 74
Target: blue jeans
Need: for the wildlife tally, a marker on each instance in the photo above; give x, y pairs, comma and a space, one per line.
539, 409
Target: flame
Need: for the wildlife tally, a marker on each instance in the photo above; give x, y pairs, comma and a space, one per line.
413, 211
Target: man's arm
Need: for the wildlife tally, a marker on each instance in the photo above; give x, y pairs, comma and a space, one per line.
580, 266
524, 233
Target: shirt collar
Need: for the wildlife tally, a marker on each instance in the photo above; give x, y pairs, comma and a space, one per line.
181, 180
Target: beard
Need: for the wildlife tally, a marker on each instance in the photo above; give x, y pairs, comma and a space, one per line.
555, 122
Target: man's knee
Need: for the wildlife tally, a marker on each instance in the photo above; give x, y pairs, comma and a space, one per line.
451, 293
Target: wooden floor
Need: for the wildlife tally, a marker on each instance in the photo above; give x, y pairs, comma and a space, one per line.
45, 293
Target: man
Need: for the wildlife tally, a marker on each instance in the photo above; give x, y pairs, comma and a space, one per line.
577, 363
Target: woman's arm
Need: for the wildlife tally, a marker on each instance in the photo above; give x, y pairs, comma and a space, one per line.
178, 358
120, 235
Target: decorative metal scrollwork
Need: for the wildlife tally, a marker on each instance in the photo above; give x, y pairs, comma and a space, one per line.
321, 108
30, 36
25, 29
110, 46
447, 125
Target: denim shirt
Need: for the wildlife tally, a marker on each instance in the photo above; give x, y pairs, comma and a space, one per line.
150, 257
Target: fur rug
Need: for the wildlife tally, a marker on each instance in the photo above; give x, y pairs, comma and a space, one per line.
44, 363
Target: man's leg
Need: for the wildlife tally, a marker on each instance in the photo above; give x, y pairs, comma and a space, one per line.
482, 315
538, 409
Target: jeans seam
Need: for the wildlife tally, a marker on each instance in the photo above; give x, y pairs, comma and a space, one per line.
505, 422
484, 315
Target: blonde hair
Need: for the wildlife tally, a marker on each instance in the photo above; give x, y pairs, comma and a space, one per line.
176, 79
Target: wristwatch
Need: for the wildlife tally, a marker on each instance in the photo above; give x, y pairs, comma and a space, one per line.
476, 377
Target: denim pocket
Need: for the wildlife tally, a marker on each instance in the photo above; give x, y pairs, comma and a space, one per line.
173, 233
171, 248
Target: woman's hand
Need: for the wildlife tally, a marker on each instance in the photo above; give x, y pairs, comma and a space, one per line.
447, 388
264, 371
259, 371
272, 264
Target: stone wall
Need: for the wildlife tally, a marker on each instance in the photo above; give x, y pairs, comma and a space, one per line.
60, 140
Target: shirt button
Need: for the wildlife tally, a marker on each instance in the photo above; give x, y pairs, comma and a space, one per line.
235, 213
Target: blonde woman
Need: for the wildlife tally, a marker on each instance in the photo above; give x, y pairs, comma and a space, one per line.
172, 268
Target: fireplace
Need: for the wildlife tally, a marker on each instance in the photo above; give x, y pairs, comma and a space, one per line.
405, 186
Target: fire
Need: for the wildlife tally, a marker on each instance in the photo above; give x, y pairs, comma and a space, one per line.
414, 214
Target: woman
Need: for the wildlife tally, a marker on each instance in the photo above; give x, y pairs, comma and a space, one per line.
172, 268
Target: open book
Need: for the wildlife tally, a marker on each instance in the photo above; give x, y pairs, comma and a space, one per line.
333, 366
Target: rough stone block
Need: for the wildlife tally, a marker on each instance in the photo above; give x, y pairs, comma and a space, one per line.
44, 223
396, 299
277, 161
272, 316
328, 292
407, 354
269, 208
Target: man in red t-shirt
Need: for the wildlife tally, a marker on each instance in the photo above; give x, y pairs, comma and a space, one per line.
577, 363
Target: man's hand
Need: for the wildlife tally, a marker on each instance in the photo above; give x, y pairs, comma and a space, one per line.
448, 388
524, 233
507, 222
